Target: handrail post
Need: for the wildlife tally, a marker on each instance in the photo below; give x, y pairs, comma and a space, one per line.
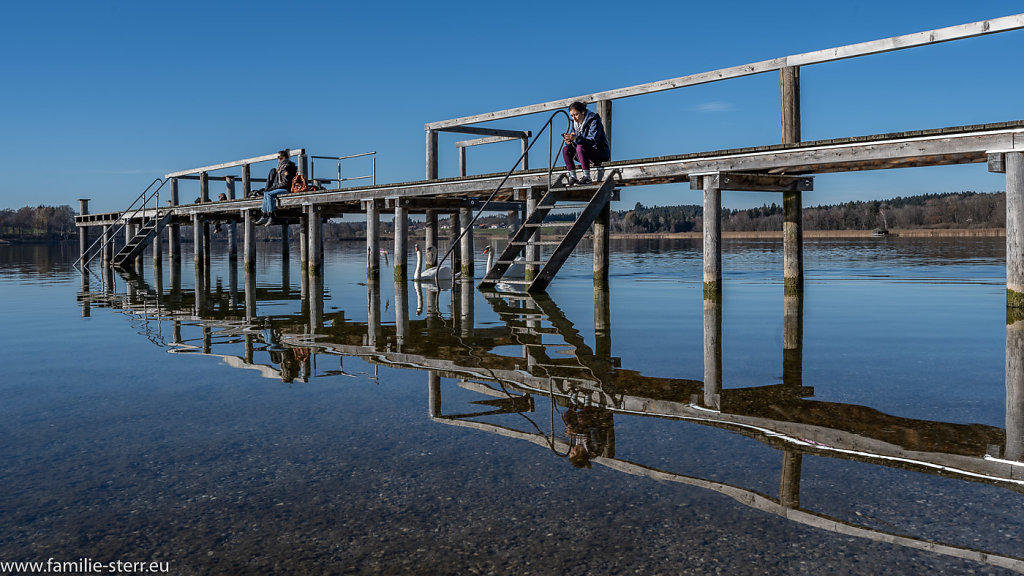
462, 160
246, 181
204, 187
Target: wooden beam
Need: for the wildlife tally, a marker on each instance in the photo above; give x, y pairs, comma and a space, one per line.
997, 162
757, 182
960, 32
491, 140
243, 162
484, 131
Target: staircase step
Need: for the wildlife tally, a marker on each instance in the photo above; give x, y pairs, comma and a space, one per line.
555, 223
576, 205
537, 243
524, 262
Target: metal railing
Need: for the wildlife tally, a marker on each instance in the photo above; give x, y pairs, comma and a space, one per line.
526, 150
372, 176
122, 221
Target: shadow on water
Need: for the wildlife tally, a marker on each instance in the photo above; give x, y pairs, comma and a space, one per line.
533, 376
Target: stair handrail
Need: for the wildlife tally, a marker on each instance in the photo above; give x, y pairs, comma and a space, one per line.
123, 219
468, 227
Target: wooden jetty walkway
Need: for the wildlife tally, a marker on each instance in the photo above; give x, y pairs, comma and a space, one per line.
530, 194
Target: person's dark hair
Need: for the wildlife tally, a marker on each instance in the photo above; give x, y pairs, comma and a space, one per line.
578, 106
283, 153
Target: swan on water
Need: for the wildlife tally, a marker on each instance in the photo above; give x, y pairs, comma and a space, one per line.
517, 269
442, 274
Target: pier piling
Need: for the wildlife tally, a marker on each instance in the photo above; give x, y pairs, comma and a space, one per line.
792, 201
712, 237
174, 229
249, 243
712, 353
83, 231
466, 225
372, 241
430, 240
316, 232
400, 257
1014, 165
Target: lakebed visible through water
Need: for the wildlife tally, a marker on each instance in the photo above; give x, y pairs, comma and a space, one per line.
282, 426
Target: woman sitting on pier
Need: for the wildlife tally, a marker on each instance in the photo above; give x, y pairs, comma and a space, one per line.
587, 142
279, 181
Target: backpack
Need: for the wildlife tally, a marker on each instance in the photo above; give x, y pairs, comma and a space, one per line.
300, 184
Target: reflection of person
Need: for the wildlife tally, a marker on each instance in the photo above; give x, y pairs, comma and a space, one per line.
587, 142
279, 181
587, 427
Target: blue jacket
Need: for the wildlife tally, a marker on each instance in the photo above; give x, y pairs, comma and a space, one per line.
590, 132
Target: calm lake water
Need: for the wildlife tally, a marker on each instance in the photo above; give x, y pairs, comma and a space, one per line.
329, 427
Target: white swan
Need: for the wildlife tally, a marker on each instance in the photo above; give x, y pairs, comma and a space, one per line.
517, 269
443, 274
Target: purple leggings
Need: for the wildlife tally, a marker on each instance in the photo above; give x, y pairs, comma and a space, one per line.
587, 155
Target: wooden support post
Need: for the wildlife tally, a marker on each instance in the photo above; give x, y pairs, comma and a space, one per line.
174, 229
602, 322
433, 394
1014, 447
712, 219
466, 309
304, 241
401, 226
604, 110
793, 340
1015, 229
792, 202
430, 240
204, 187
602, 226
372, 241
712, 353
401, 312
207, 244
316, 230
83, 231
108, 248
250, 289
229, 185
316, 300
532, 253
512, 216
302, 164
789, 479
284, 242
468, 256
246, 181
454, 226
524, 146
462, 161
374, 332
158, 254
197, 241
249, 243
432, 155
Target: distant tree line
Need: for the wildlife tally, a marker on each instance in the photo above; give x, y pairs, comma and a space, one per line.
947, 210
40, 223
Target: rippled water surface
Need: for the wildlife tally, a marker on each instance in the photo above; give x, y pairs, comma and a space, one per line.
225, 424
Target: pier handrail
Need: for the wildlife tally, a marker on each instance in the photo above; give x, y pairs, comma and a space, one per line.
928, 37
469, 226
125, 216
243, 162
373, 168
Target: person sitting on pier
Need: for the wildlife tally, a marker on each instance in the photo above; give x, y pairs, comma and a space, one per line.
587, 142
279, 181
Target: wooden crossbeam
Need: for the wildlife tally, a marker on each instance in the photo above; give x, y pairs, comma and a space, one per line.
757, 182
517, 134
253, 160
491, 140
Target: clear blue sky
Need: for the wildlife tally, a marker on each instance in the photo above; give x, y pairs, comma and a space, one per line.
101, 97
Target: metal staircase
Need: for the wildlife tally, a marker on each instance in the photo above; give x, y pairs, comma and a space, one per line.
142, 238
600, 195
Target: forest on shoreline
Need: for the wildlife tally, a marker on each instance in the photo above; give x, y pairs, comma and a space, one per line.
951, 210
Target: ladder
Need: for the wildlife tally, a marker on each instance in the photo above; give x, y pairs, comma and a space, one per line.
142, 238
601, 194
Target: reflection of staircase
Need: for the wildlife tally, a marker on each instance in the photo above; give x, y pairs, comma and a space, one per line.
601, 195
142, 238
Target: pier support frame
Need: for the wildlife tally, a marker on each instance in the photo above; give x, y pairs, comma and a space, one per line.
108, 246
401, 226
372, 241
1014, 446
229, 185
197, 241
712, 353
466, 247
712, 237
792, 201
304, 241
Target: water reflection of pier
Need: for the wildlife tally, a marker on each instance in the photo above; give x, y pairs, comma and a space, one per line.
535, 359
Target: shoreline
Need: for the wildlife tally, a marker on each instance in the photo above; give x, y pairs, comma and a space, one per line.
895, 232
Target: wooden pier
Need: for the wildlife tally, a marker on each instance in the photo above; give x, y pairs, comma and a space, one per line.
786, 168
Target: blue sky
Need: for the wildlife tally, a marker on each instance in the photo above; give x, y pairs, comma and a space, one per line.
101, 97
